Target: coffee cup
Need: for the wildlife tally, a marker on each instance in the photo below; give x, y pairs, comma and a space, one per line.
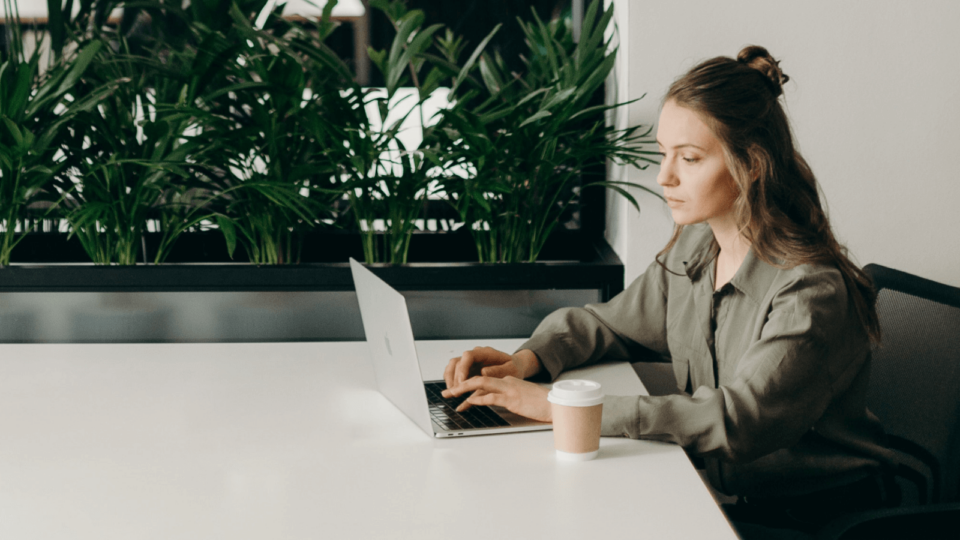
577, 406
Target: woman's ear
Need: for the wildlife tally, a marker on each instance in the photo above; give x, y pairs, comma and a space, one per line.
760, 162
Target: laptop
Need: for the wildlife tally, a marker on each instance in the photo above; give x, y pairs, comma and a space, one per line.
386, 324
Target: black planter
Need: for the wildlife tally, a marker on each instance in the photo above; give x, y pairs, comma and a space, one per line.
49, 262
213, 299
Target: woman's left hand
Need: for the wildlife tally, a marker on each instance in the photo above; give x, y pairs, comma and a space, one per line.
517, 396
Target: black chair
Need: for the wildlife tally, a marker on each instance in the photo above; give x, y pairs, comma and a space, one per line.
915, 391
929, 522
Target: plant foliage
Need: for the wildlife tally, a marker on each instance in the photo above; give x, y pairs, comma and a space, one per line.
37, 108
270, 121
215, 114
384, 179
527, 143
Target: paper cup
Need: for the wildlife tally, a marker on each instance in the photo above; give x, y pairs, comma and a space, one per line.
577, 407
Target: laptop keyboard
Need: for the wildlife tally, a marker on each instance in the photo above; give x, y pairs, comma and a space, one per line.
443, 411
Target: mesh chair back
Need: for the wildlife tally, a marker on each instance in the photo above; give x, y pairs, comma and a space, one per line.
915, 374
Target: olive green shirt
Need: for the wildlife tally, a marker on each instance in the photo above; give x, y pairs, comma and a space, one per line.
774, 365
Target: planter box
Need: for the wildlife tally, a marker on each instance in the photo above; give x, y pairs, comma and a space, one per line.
54, 298
50, 263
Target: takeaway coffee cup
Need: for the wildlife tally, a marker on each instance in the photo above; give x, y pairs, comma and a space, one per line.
577, 406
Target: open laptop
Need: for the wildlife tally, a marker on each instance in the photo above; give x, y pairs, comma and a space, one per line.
386, 323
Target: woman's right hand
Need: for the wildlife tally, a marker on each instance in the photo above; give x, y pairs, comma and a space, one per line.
490, 362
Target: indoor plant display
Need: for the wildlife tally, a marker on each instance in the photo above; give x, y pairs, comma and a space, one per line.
207, 121
198, 127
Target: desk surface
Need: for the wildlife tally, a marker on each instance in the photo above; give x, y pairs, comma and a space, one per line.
292, 441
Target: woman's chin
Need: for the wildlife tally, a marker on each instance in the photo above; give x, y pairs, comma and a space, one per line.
681, 219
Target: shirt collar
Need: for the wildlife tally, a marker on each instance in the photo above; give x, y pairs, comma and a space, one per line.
753, 278
701, 254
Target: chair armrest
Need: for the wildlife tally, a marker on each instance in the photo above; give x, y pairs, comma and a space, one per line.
922, 454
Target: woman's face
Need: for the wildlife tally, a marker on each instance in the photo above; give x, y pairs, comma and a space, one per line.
694, 175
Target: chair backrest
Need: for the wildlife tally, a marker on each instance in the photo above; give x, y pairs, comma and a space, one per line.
915, 375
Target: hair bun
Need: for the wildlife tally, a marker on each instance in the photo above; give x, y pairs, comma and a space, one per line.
759, 59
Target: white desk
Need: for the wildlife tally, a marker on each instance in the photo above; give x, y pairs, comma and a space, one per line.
292, 441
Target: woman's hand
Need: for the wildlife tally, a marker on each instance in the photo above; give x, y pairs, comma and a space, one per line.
490, 362
518, 396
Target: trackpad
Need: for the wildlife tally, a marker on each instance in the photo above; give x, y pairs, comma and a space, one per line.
516, 419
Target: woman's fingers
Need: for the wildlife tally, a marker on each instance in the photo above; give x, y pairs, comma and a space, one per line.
462, 371
484, 398
467, 403
448, 372
500, 371
519, 396
458, 369
487, 384
486, 391
474, 362
471, 385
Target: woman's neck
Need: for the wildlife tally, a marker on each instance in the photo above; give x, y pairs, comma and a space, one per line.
733, 250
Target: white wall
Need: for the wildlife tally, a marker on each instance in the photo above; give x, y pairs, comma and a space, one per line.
874, 98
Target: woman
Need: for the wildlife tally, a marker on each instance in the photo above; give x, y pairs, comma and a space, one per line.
766, 320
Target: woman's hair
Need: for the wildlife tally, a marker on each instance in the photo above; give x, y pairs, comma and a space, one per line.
778, 206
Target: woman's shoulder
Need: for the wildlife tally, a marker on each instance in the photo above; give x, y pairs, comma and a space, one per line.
809, 287
820, 278
817, 292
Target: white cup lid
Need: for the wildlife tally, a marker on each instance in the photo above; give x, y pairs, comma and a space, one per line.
576, 393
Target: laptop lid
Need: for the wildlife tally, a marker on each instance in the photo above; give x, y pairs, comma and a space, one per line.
386, 324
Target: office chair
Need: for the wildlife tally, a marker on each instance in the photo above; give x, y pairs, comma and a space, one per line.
915, 391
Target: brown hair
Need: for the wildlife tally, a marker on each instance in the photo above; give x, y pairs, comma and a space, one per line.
778, 207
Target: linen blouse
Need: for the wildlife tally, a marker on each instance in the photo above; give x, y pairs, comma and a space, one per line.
775, 368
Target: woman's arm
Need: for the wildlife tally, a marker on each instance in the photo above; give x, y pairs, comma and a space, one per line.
571, 337
565, 339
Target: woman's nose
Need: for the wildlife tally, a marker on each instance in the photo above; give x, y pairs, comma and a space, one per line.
666, 176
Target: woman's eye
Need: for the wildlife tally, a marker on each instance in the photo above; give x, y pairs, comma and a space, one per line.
691, 160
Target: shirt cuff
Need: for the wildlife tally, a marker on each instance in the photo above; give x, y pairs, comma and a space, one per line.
620, 415
542, 347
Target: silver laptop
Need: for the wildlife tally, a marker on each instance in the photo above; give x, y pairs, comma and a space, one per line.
386, 323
